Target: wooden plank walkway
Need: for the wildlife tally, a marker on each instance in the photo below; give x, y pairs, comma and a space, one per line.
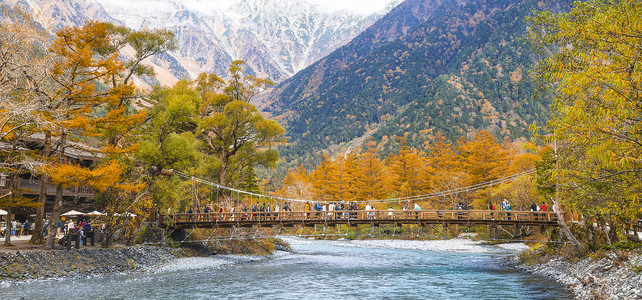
371, 217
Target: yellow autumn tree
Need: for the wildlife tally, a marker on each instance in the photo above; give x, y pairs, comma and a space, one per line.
591, 65
445, 173
407, 169
94, 95
372, 181
296, 185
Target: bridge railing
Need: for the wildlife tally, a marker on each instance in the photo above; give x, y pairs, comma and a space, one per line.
433, 215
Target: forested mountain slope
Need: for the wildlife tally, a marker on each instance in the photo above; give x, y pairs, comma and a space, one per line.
429, 65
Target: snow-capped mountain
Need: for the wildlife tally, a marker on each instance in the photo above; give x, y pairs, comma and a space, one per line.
276, 38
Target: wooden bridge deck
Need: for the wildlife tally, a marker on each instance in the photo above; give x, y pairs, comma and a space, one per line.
371, 217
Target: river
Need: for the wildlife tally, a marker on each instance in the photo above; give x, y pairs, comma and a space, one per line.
455, 269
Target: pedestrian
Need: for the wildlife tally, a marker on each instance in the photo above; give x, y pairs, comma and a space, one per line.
508, 208
70, 226
45, 228
491, 207
26, 227
14, 225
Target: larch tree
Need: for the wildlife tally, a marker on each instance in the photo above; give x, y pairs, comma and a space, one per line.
296, 185
322, 179
371, 177
95, 96
407, 167
445, 173
483, 158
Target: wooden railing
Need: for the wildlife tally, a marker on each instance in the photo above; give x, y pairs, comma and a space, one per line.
288, 218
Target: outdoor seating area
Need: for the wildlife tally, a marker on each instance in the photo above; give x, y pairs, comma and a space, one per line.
74, 229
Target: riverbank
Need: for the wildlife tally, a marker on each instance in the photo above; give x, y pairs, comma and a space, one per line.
616, 275
23, 261
26, 265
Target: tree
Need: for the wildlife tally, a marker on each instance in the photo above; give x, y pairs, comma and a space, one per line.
445, 172
483, 158
233, 131
407, 166
591, 66
167, 140
244, 88
94, 95
296, 185
371, 180
23, 65
321, 179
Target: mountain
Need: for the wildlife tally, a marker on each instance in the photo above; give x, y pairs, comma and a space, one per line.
276, 38
429, 65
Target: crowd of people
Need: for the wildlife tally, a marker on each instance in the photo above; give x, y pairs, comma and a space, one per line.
82, 227
332, 210
17, 228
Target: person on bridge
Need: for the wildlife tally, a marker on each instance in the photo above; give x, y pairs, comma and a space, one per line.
262, 210
543, 207
508, 208
491, 207
417, 207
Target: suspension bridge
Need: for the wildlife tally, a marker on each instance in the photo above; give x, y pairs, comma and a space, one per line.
360, 217
350, 217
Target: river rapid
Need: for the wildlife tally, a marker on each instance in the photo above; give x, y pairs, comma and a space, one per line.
389, 269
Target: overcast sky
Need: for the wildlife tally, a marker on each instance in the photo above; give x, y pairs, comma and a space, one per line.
362, 6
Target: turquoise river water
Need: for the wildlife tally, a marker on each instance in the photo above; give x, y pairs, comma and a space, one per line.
456, 269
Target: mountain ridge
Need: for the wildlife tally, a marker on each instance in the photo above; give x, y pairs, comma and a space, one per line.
455, 68
275, 38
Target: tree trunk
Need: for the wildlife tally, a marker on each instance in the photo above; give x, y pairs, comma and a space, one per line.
13, 187
567, 231
222, 178
107, 236
55, 217
7, 235
38, 236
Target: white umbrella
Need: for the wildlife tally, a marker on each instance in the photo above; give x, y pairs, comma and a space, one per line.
72, 213
3, 212
126, 214
94, 213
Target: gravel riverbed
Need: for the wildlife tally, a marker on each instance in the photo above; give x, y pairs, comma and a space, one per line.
609, 277
27, 265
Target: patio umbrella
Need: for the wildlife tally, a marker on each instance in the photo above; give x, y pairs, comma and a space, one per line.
94, 213
3, 212
73, 213
126, 214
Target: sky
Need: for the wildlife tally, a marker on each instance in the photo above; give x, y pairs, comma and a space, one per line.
361, 6
357, 6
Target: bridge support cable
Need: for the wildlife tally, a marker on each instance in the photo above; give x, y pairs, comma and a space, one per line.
439, 194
